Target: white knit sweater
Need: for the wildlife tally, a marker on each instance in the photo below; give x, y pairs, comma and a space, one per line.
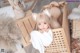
39, 40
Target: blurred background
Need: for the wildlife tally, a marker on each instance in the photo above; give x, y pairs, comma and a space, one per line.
40, 3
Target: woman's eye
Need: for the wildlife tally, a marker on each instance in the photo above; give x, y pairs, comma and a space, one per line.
39, 24
44, 22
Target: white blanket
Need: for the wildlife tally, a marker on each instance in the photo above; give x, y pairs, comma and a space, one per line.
39, 40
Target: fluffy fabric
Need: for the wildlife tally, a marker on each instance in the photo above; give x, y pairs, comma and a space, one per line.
9, 35
31, 49
39, 40
8, 11
47, 12
34, 16
75, 14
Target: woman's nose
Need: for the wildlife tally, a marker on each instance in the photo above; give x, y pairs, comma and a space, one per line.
43, 25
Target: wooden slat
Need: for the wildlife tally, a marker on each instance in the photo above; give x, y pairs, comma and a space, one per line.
76, 24
65, 24
76, 28
61, 40
24, 42
27, 26
32, 22
24, 31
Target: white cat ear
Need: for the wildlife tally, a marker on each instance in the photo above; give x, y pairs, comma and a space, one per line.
34, 15
47, 12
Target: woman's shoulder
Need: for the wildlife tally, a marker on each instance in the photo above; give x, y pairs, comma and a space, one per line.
34, 32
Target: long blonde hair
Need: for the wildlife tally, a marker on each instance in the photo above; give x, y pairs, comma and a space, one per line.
42, 17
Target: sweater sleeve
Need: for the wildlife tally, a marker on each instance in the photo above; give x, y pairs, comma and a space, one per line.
36, 41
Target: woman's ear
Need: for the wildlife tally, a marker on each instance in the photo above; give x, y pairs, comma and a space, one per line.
46, 12
34, 16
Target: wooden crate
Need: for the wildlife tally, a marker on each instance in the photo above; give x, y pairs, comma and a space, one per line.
61, 39
60, 42
26, 25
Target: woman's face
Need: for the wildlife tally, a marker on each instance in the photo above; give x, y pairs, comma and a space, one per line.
42, 25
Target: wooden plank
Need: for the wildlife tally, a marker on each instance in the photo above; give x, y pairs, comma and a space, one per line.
76, 24
24, 42
32, 22
24, 31
65, 24
27, 26
61, 40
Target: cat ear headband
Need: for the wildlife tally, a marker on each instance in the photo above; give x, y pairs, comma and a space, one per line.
45, 12
45, 9
34, 16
